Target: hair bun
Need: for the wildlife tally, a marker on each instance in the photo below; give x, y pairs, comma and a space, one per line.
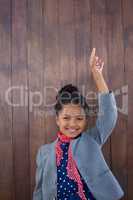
69, 88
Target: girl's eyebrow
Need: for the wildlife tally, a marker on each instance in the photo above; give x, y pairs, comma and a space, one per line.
77, 115
66, 115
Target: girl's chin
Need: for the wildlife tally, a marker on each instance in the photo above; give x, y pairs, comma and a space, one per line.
72, 135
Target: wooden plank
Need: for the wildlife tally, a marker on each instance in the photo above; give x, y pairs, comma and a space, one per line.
82, 15
128, 44
98, 40
67, 42
36, 85
51, 64
83, 40
117, 81
20, 113
6, 153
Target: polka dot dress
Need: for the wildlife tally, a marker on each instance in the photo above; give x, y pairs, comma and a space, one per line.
67, 188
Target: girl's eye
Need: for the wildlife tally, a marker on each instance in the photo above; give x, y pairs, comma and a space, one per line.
66, 118
79, 118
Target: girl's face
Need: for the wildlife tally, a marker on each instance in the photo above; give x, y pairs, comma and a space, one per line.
71, 120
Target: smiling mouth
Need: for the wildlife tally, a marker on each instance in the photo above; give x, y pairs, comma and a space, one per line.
72, 130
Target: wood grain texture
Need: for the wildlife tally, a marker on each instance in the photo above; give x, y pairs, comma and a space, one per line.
128, 42
67, 42
35, 83
51, 61
6, 146
117, 81
20, 113
45, 44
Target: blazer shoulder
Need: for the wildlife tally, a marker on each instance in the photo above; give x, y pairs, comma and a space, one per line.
44, 148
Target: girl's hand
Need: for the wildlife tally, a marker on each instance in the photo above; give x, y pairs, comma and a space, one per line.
96, 64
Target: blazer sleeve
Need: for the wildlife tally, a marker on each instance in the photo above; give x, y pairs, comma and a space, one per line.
106, 119
37, 194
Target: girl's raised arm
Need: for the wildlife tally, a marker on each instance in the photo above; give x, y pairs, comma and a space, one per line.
96, 65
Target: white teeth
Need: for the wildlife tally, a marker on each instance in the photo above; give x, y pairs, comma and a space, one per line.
72, 130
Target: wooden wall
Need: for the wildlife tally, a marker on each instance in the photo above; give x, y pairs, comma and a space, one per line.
45, 44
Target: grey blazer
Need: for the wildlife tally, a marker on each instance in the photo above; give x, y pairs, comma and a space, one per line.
88, 155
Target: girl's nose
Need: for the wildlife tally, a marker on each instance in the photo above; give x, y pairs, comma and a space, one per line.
72, 122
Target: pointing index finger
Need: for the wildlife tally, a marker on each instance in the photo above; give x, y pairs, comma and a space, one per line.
92, 56
93, 52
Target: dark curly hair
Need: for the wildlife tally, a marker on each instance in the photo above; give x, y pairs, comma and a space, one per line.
70, 94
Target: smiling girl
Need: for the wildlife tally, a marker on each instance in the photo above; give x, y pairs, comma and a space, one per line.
73, 167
